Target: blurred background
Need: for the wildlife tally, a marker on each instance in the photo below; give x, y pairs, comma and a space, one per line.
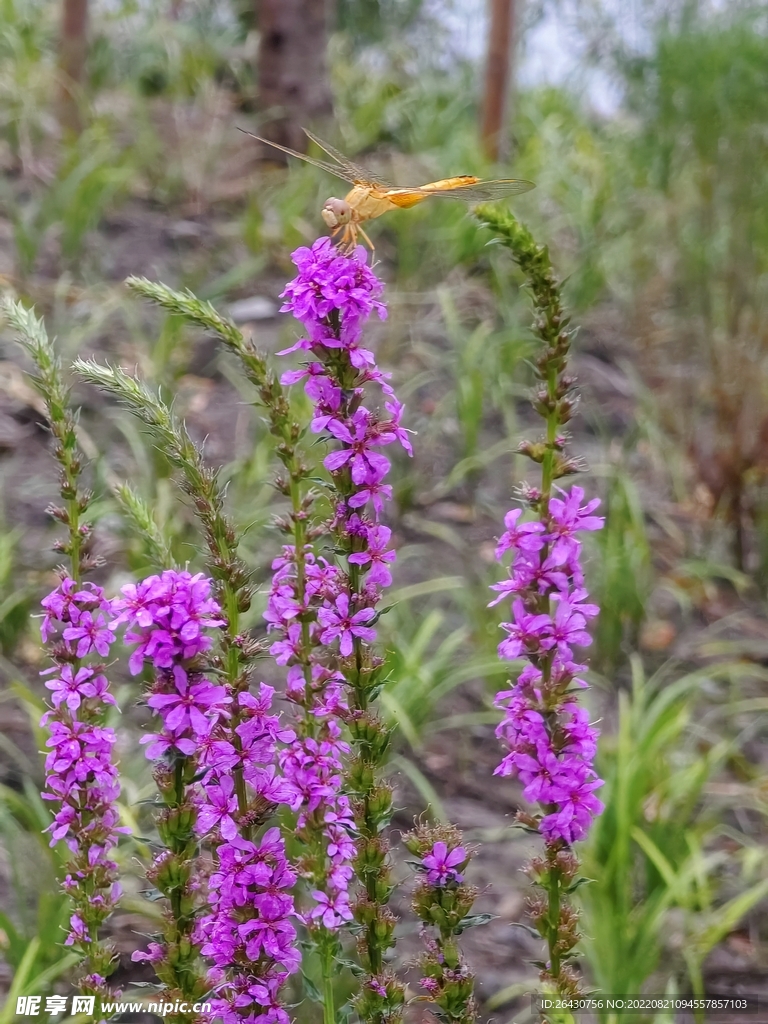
644, 124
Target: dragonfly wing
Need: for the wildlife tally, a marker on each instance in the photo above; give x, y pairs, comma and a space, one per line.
338, 172
352, 172
473, 191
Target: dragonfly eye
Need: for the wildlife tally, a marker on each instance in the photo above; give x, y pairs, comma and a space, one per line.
336, 212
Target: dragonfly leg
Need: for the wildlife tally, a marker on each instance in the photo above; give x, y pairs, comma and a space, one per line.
349, 238
370, 244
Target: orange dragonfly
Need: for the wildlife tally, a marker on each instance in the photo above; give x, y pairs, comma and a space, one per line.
371, 196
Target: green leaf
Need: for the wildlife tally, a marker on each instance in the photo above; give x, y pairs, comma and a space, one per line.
474, 921
577, 884
728, 916
351, 965
20, 979
41, 981
310, 989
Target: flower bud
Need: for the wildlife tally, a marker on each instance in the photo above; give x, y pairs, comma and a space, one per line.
536, 451
380, 804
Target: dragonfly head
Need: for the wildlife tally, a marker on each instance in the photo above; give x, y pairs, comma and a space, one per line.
336, 212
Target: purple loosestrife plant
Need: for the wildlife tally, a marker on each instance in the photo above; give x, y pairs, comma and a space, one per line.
167, 617
442, 902
548, 737
326, 608
81, 776
246, 933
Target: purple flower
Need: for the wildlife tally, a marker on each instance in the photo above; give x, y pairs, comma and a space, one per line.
283, 650
328, 281
526, 538
359, 433
153, 954
171, 612
574, 816
91, 633
442, 863
186, 708
377, 555
218, 811
374, 492
525, 632
393, 428
248, 935
72, 686
159, 745
66, 603
78, 931
568, 628
567, 518
337, 621
332, 911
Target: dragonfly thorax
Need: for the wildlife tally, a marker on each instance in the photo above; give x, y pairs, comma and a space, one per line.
336, 212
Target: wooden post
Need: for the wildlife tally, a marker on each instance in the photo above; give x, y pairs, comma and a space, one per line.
294, 90
73, 51
497, 76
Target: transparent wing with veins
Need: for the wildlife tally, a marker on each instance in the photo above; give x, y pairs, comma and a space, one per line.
352, 172
466, 187
471, 190
342, 168
474, 191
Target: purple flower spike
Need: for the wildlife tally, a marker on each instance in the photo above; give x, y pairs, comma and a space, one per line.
81, 776
333, 295
246, 932
328, 282
551, 754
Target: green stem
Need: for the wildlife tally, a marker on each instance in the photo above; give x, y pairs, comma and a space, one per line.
75, 540
553, 916
553, 424
233, 669
329, 1008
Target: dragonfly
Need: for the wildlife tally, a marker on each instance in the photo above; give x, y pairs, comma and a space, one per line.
372, 196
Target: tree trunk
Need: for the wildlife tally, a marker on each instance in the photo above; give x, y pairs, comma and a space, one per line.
293, 85
497, 76
73, 51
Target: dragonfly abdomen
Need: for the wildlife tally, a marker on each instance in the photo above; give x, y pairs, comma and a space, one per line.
405, 197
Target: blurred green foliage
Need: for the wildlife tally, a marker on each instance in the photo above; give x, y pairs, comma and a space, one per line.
650, 855
624, 577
